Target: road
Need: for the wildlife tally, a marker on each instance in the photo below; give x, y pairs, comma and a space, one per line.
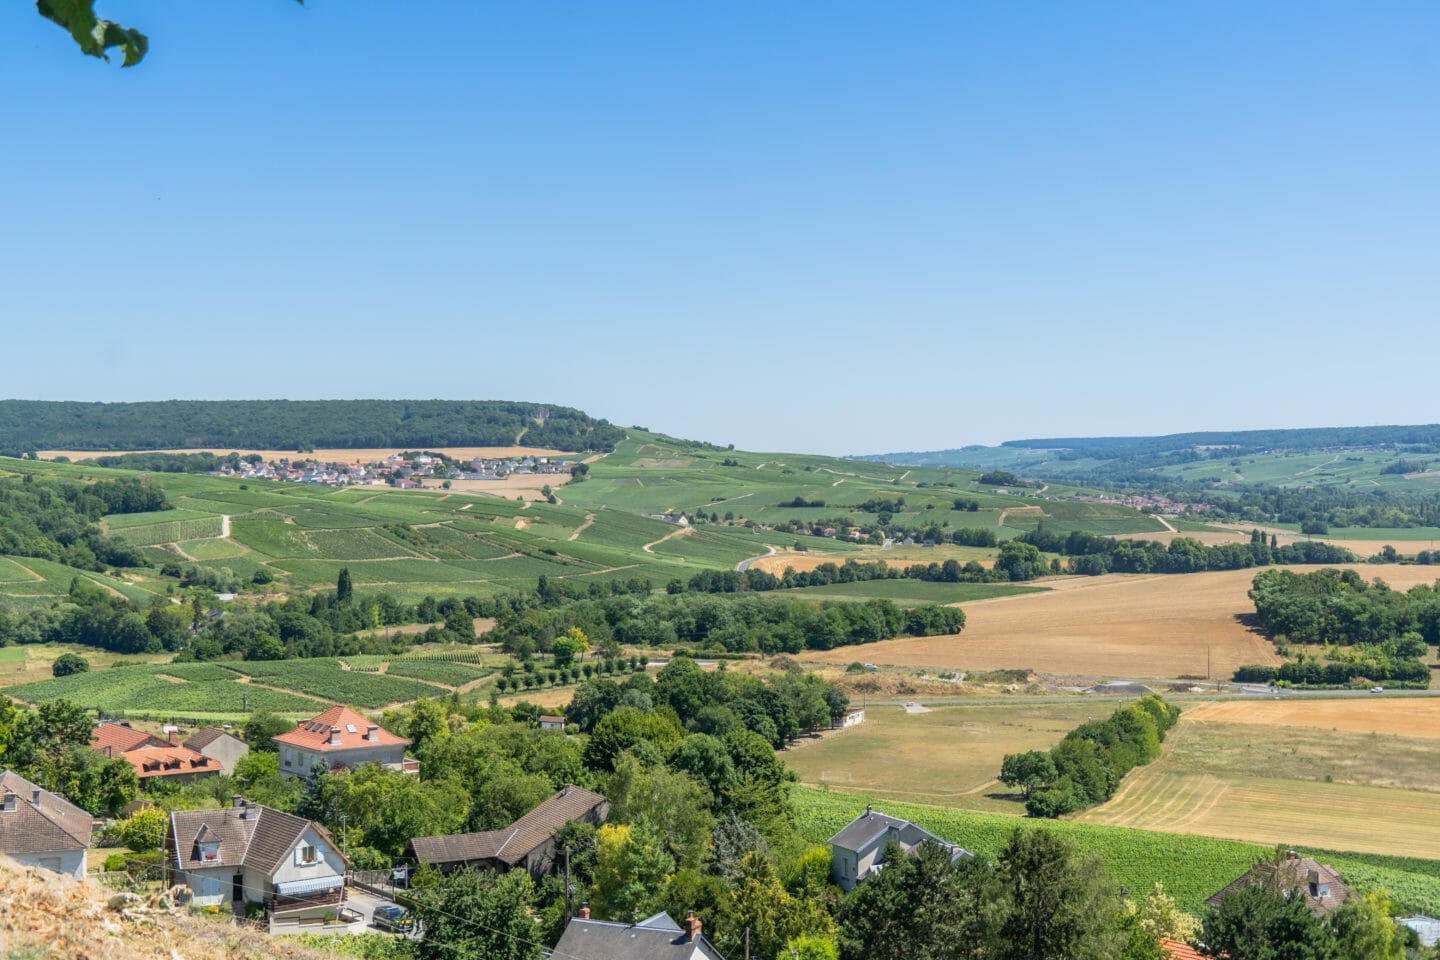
744, 565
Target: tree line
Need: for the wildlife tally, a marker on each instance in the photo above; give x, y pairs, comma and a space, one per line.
1086, 768
29, 425
744, 623
1092, 554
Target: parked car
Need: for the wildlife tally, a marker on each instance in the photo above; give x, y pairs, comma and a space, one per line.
391, 916
1377, 689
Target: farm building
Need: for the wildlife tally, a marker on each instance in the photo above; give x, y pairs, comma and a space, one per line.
859, 850
552, 723
854, 716
528, 842
1320, 885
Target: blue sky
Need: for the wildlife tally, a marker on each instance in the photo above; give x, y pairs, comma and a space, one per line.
839, 227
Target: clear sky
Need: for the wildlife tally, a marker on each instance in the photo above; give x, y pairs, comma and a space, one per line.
824, 226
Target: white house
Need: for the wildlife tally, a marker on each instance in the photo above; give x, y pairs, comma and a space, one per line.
859, 850
340, 739
548, 722
42, 829
249, 853
854, 716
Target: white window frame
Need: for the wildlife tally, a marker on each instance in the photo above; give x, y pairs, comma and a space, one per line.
315, 856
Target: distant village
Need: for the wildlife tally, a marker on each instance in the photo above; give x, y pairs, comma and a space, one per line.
405, 472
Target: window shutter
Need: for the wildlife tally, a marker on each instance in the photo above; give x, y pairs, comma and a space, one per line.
319, 854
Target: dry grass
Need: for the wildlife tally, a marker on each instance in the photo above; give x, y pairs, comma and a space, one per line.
1408, 717
1118, 625
530, 485
1211, 538
1339, 774
48, 917
948, 755
329, 454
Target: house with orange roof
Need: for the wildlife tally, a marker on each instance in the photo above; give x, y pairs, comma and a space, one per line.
154, 759
340, 739
1179, 950
112, 738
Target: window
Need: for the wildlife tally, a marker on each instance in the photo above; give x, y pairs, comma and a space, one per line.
307, 854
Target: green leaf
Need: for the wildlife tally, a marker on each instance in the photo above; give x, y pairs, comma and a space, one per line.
94, 35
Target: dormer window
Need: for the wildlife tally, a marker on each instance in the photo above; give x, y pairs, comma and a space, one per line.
209, 852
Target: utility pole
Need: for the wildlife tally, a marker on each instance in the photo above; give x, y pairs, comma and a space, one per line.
345, 835
747, 943
1207, 661
567, 885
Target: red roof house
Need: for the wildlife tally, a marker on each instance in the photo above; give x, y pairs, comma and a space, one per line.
339, 739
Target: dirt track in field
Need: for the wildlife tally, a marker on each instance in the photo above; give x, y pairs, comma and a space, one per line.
1118, 625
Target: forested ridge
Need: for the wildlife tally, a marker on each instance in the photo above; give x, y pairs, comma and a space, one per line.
28, 425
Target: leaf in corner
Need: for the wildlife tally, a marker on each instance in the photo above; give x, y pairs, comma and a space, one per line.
94, 35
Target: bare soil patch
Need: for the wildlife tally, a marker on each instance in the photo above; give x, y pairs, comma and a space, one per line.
653, 464
1118, 625
528, 484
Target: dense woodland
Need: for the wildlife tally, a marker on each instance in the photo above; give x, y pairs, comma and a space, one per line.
1366, 631
29, 425
55, 520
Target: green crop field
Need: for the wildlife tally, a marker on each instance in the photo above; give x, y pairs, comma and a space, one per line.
1192, 868
446, 672
139, 687
326, 678
417, 543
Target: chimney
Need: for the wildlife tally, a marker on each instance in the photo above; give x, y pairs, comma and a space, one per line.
692, 927
372, 732
171, 737
869, 809
237, 801
335, 736
585, 911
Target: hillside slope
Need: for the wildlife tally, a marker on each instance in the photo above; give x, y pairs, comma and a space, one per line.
48, 917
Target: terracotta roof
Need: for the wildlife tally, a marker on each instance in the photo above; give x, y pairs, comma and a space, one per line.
546, 718
1175, 950
52, 825
1304, 874
205, 736
168, 761
314, 734
252, 835
512, 844
114, 739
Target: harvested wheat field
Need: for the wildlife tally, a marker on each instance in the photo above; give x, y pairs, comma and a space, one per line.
1408, 716
1117, 625
328, 455
1259, 810
1211, 538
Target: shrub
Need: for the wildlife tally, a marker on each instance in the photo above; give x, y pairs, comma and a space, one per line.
69, 663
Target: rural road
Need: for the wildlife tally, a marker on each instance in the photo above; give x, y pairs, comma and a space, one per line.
683, 531
744, 565
224, 526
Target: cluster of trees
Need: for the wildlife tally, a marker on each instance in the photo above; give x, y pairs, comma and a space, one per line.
1038, 900
1340, 607
1087, 766
50, 746
717, 703
745, 623
802, 502
29, 425
57, 520
316, 625
1018, 561
204, 462
1093, 554
1002, 478
1370, 632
